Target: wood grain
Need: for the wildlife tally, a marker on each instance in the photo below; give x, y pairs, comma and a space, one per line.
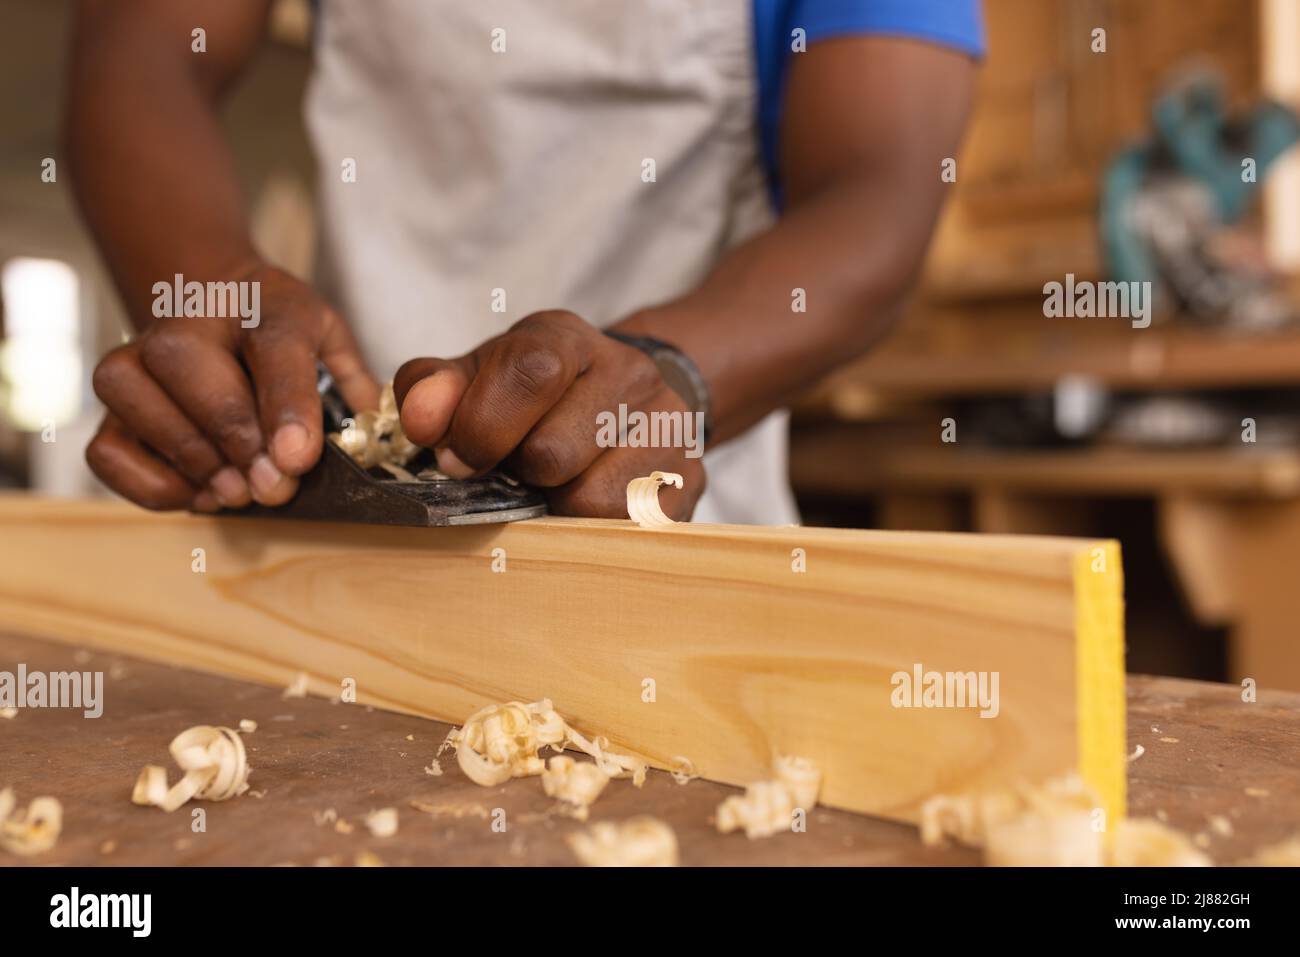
748, 657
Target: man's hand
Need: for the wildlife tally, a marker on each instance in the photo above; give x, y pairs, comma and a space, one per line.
529, 400
204, 413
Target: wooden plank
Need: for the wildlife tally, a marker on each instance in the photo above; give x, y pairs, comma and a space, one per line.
747, 656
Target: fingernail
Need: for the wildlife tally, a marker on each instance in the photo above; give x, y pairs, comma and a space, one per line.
451, 466
205, 502
290, 442
229, 488
264, 477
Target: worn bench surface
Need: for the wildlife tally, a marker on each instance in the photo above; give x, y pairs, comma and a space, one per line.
1221, 757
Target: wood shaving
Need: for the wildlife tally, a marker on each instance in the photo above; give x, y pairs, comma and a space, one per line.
1282, 854
1145, 842
501, 742
1049, 825
297, 689
434, 769
369, 859
33, 830
108, 847
382, 823
637, 842
1054, 828
683, 770
802, 777
215, 765
1220, 825
343, 827
247, 725
8, 713
1168, 740
1257, 792
1137, 753
327, 816
576, 783
376, 438
643, 499
768, 807
452, 810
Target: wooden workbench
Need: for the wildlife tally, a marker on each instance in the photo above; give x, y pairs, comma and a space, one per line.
310, 755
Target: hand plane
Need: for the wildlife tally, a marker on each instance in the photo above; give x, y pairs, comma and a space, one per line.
341, 489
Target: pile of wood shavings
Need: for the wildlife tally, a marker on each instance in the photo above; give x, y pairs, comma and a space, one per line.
637, 842
1052, 826
768, 807
30, 831
215, 765
501, 742
377, 439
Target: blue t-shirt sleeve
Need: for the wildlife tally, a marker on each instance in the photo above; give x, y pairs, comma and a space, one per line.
957, 24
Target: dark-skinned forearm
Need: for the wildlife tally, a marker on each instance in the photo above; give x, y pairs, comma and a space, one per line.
756, 352
153, 174
867, 126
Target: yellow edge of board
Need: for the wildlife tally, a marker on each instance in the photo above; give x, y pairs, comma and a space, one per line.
1099, 650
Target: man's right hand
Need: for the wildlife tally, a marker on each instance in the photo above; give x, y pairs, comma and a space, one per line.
203, 413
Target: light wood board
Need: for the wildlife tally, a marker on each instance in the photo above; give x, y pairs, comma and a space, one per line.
748, 657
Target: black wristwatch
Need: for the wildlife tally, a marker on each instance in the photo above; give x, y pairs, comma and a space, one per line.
679, 373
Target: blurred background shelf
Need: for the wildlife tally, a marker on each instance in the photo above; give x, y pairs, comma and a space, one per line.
840, 460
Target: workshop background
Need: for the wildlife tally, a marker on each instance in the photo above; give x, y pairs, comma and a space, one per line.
980, 412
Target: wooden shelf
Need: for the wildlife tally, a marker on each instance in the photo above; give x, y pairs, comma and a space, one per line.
844, 460
1133, 359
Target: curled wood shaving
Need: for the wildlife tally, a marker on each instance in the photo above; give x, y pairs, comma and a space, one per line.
501, 742
1137, 753
369, 859
683, 770
215, 765
32, 830
297, 689
768, 807
247, 725
376, 438
637, 842
643, 499
1145, 842
382, 823
577, 783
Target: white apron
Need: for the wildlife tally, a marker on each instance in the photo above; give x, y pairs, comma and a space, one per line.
482, 172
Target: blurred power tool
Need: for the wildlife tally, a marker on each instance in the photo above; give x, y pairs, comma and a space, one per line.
1170, 205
